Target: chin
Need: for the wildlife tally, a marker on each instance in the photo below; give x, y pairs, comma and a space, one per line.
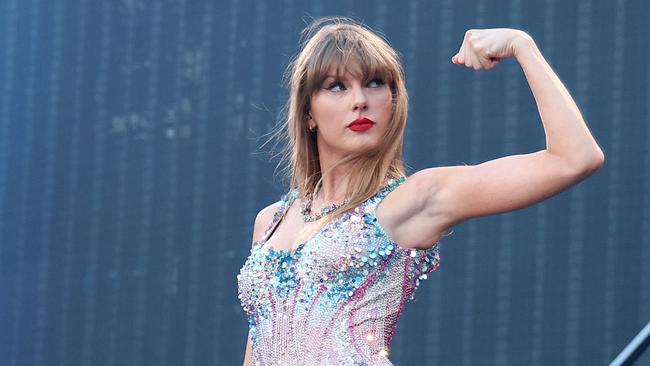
366, 146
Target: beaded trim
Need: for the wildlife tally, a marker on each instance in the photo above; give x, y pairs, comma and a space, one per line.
308, 216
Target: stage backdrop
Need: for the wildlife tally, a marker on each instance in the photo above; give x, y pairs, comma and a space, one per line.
130, 177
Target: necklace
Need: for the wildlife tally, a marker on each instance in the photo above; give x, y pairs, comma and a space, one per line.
308, 216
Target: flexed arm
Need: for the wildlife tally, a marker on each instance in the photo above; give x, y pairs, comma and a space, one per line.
567, 135
433, 200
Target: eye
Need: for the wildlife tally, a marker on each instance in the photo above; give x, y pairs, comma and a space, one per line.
376, 82
336, 86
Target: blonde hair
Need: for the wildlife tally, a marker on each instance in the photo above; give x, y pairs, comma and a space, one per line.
335, 41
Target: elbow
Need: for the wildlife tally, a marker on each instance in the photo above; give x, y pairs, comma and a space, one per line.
584, 162
591, 165
597, 161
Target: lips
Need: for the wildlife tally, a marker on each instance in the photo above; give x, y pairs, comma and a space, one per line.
361, 124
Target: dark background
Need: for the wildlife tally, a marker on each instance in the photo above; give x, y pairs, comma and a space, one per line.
130, 177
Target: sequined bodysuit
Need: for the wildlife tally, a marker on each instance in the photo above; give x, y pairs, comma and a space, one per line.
337, 298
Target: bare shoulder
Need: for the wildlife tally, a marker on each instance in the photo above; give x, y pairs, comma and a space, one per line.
410, 214
263, 220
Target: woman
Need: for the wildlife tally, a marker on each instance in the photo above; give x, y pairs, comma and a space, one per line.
331, 269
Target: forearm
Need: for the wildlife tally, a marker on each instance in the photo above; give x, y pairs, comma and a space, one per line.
566, 132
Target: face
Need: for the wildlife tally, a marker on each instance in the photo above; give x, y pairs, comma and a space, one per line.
340, 101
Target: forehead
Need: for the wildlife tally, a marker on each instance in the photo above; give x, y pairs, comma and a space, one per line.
350, 70
346, 55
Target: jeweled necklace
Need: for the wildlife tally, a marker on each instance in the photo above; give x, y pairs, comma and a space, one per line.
305, 208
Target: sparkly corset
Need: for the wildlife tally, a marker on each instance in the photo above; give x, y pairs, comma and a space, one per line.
337, 298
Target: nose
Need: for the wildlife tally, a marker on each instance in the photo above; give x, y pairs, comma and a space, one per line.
360, 102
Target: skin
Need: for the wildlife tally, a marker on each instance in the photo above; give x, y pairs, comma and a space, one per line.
435, 199
432, 200
337, 103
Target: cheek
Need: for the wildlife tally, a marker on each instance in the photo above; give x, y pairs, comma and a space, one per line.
325, 108
385, 103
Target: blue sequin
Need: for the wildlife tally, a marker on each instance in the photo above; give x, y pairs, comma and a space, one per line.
351, 270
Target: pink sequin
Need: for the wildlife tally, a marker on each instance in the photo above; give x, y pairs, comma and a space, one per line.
337, 298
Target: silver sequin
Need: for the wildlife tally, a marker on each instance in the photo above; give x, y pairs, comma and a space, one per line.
337, 298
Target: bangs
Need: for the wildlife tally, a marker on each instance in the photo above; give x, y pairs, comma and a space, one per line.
338, 49
336, 46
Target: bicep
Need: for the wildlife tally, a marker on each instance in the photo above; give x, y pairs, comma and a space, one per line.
500, 185
263, 220
248, 356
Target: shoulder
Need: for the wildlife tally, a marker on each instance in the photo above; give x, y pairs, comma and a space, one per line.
410, 214
263, 220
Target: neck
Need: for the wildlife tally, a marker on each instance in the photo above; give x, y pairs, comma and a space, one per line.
334, 184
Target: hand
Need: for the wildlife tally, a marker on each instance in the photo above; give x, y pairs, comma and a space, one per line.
484, 48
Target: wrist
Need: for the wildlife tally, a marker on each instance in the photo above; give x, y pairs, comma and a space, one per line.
522, 44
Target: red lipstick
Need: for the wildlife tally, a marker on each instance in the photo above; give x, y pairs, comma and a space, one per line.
361, 124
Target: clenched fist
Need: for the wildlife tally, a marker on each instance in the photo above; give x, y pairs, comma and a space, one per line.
484, 48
